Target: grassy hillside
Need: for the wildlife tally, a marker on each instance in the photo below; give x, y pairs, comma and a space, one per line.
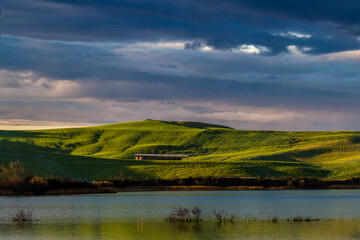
104, 151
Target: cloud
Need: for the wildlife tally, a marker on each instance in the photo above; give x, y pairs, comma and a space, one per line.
346, 55
295, 35
222, 26
164, 71
342, 11
28, 86
256, 116
193, 45
61, 114
244, 48
24, 124
156, 45
247, 64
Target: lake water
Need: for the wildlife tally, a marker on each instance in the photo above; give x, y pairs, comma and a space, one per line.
140, 215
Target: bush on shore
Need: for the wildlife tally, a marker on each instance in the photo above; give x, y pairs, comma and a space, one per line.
15, 180
14, 173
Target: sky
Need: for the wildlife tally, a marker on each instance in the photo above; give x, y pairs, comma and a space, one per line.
248, 64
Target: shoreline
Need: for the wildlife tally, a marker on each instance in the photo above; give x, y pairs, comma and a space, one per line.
228, 188
112, 190
30, 187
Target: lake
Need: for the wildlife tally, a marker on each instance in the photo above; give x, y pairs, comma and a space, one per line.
140, 215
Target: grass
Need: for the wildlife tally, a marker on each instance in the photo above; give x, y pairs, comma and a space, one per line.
107, 151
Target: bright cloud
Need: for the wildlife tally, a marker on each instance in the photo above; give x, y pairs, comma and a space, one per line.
25, 124
27, 85
207, 49
346, 55
157, 45
252, 49
255, 116
295, 50
295, 35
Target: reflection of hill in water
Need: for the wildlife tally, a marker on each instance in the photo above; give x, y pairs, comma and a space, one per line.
141, 215
326, 229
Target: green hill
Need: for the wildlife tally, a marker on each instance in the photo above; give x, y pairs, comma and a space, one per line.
104, 151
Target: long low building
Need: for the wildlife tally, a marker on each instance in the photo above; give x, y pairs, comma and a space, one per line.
140, 156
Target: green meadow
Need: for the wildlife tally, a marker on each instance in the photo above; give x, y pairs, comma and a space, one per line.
108, 151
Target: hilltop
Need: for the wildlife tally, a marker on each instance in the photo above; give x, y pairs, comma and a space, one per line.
104, 151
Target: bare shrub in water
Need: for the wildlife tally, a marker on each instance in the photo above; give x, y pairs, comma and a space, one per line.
22, 216
303, 219
196, 213
222, 216
183, 214
273, 219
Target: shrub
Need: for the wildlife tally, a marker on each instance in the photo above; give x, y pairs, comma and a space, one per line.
303, 219
14, 173
102, 183
39, 181
22, 216
38, 185
196, 213
183, 214
222, 216
273, 219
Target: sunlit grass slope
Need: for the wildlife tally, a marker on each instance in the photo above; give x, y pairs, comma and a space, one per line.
105, 151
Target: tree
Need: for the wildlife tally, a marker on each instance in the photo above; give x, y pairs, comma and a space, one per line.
14, 173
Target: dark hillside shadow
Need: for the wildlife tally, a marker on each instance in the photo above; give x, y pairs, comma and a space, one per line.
55, 140
7, 145
254, 169
26, 134
44, 162
156, 149
355, 139
293, 155
199, 125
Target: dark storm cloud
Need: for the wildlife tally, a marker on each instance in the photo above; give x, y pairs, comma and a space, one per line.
106, 76
56, 60
191, 60
346, 11
342, 11
221, 24
261, 94
193, 45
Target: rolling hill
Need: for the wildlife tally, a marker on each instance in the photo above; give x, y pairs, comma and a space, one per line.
107, 151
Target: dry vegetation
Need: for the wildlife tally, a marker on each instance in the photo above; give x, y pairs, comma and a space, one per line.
14, 173
183, 214
22, 216
222, 216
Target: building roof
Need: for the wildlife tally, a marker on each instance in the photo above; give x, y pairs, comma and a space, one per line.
160, 155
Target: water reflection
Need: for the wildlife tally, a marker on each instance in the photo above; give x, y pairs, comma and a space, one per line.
141, 215
327, 229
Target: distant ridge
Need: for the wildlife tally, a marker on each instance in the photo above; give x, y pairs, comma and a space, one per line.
200, 125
